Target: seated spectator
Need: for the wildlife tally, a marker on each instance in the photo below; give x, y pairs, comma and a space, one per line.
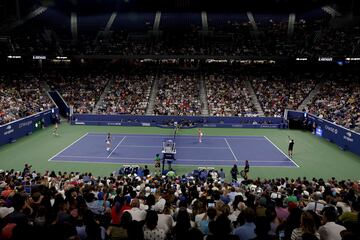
330, 230
307, 225
151, 231
247, 230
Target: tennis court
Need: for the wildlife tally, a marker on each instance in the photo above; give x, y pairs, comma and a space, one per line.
141, 149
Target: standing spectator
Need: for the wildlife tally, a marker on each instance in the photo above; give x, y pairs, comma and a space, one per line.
234, 172
146, 171
222, 175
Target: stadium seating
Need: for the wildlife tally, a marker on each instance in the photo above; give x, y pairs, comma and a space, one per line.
128, 95
21, 95
279, 92
228, 96
178, 95
81, 91
337, 101
61, 205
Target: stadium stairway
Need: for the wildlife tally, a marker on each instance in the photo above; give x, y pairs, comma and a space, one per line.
254, 98
154, 90
310, 97
101, 99
203, 97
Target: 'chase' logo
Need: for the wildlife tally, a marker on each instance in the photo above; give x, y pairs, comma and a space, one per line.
331, 129
348, 134
8, 127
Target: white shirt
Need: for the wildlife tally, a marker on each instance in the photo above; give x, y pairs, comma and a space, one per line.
137, 214
165, 222
314, 206
331, 231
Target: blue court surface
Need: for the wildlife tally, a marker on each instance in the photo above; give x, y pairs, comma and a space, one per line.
141, 149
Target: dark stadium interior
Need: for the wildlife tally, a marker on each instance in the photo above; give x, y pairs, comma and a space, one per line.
258, 78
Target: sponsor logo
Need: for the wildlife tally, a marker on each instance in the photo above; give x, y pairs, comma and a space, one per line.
8, 127
25, 124
348, 137
79, 123
114, 124
209, 125
269, 126
145, 124
331, 129
8, 132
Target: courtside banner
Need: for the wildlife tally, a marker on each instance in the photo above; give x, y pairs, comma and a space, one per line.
345, 138
12, 131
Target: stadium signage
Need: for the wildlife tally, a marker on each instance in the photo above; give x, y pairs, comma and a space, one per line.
114, 124
8, 132
24, 124
341, 136
331, 129
348, 137
352, 59
39, 57
301, 59
325, 59
22, 127
14, 57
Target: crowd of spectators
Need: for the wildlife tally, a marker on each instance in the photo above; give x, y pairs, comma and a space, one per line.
81, 91
21, 95
195, 206
228, 96
277, 92
127, 94
178, 94
337, 101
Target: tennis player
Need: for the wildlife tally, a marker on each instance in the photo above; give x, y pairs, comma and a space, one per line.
291, 146
108, 142
200, 133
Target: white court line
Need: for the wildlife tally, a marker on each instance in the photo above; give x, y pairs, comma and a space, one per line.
231, 150
158, 146
281, 151
61, 161
69, 146
182, 159
258, 138
116, 146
